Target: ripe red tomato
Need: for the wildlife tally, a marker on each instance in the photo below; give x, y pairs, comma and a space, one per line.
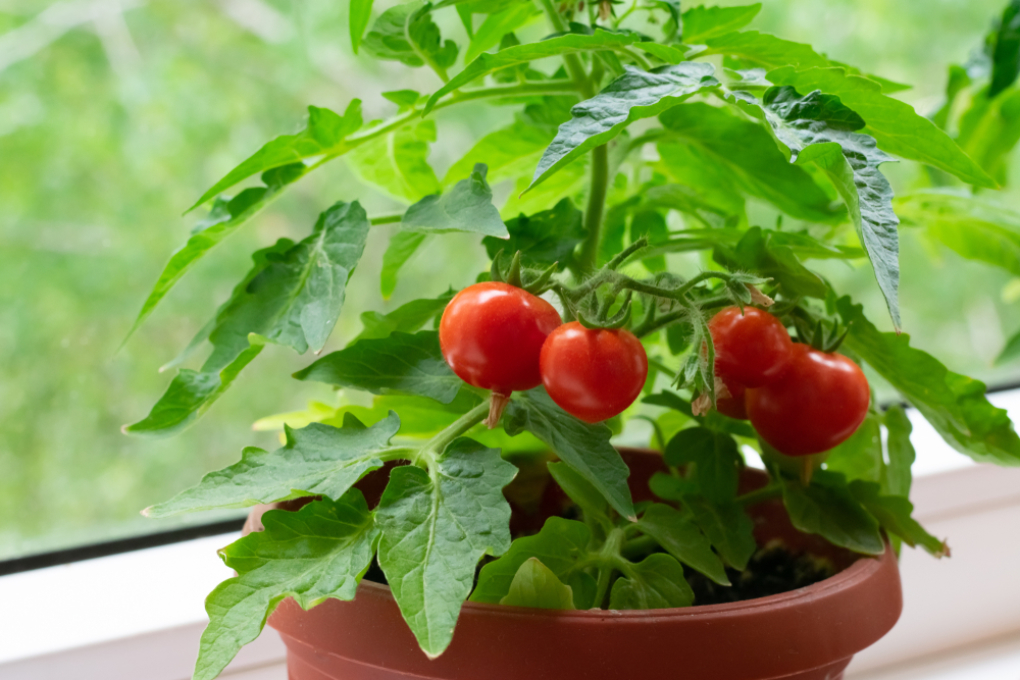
750, 348
593, 374
491, 335
733, 405
818, 402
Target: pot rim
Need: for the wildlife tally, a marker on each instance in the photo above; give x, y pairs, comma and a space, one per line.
862, 569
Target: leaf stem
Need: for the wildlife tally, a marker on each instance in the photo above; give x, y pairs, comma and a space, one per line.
596, 207
609, 556
438, 444
773, 490
386, 219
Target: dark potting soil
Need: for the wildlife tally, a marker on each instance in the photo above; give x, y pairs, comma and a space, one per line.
770, 571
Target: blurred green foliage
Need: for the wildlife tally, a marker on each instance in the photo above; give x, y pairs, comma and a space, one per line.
113, 119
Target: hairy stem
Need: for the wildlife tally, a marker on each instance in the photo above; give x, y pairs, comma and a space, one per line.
596, 207
572, 62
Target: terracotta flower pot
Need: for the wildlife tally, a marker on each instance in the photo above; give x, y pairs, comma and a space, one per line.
806, 634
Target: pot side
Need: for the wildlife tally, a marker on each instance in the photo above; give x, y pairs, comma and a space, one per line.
806, 634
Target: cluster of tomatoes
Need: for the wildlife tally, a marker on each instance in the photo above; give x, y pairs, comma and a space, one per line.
801, 400
502, 338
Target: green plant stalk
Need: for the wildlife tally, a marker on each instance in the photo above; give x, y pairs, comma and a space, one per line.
433, 447
596, 207
386, 219
609, 559
571, 61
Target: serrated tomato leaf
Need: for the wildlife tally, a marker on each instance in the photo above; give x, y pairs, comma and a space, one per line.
657, 582
763, 50
317, 460
191, 394
466, 207
400, 362
407, 318
897, 128
543, 238
633, 96
954, 404
316, 553
406, 33
560, 545
726, 526
397, 163
323, 135
435, 527
710, 147
900, 452
681, 538
827, 508
582, 446
894, 514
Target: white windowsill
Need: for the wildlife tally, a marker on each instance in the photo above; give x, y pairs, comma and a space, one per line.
138, 615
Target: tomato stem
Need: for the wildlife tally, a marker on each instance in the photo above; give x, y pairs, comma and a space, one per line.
459, 427
497, 404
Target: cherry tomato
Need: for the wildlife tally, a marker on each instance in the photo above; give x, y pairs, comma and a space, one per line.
593, 374
733, 405
750, 348
491, 335
818, 402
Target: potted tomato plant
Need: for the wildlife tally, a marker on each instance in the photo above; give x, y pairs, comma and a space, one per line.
475, 519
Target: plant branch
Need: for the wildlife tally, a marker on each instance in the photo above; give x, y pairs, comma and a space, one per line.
455, 429
386, 219
572, 62
773, 490
596, 207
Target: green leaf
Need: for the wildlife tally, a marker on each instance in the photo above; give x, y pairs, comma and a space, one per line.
973, 228
713, 420
497, 25
896, 127
582, 446
406, 33
405, 99
957, 81
668, 54
397, 163
323, 135
711, 147
225, 217
435, 527
360, 13
817, 129
760, 252
466, 207
581, 491
682, 539
633, 96
568, 43
894, 514
1006, 50
570, 182
715, 456
657, 582
860, 456
701, 23
510, 152
954, 404
403, 245
407, 318
726, 526
543, 238
400, 362
764, 51
559, 545
316, 553
293, 297
990, 130
827, 508
897, 478
536, 586
420, 417
191, 394
318, 460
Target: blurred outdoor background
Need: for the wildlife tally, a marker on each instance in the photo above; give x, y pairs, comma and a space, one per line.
115, 115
